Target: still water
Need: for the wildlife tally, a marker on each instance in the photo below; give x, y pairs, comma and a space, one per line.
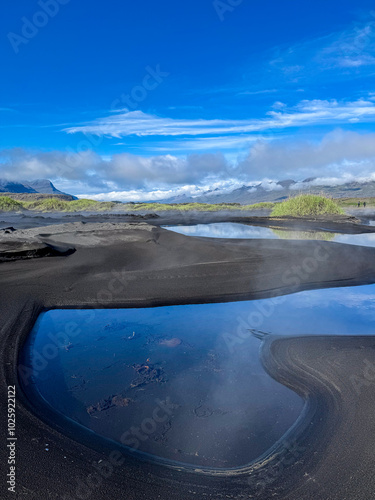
238, 231
184, 383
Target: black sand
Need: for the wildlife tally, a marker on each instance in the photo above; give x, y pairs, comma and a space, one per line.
328, 455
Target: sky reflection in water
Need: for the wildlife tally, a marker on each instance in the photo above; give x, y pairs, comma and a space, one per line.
226, 411
238, 231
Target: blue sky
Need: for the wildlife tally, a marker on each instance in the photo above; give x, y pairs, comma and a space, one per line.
138, 100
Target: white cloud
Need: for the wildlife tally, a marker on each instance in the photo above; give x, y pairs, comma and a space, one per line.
20, 164
337, 154
305, 113
161, 194
219, 143
270, 185
339, 157
258, 92
352, 48
120, 170
139, 196
334, 181
332, 57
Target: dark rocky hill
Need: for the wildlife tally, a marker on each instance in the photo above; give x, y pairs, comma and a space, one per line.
40, 186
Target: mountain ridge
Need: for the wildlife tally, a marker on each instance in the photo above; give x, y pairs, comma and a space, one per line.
39, 186
278, 191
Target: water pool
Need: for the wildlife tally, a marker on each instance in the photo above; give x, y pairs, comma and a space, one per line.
184, 383
243, 231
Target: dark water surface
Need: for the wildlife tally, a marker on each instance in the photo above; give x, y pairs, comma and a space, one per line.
185, 383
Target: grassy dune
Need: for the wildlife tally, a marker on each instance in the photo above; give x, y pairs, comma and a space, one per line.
201, 207
301, 205
9, 205
306, 204
58, 205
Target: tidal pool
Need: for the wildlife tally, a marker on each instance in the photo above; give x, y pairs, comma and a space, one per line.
184, 383
238, 231
224, 230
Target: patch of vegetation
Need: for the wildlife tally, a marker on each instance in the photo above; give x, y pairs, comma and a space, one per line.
200, 207
82, 204
48, 205
9, 205
57, 205
305, 205
304, 235
104, 206
85, 205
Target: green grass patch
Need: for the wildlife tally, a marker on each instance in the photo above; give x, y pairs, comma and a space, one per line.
47, 205
305, 205
264, 205
9, 205
85, 205
82, 204
200, 207
57, 205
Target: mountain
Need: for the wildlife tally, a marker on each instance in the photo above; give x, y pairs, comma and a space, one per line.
14, 187
40, 186
278, 191
44, 186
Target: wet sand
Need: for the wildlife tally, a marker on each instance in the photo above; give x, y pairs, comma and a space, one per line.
328, 454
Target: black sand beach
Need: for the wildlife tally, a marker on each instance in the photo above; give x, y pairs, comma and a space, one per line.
128, 262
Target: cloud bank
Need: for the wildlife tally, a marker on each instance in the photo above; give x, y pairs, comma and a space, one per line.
337, 154
119, 171
340, 156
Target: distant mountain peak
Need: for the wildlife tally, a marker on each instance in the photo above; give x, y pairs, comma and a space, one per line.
310, 179
15, 187
41, 186
287, 183
277, 191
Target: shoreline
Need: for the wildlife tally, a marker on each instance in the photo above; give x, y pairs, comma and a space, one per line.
163, 268
348, 223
